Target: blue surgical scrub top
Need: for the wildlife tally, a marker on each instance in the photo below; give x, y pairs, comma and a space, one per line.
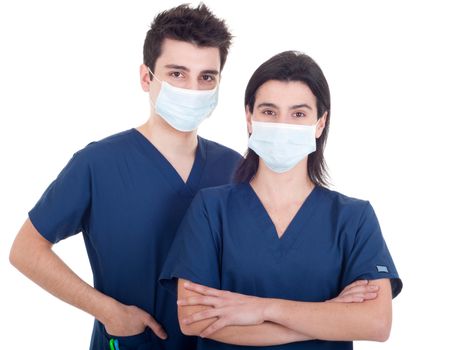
228, 241
128, 201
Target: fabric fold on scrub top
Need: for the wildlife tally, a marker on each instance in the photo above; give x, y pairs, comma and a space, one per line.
128, 201
228, 241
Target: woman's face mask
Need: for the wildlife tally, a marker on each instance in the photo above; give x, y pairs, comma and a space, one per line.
280, 145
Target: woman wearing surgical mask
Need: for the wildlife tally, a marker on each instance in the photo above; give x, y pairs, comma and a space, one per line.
278, 260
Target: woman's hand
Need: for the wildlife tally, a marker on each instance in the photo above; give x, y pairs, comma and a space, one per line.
356, 292
230, 308
234, 309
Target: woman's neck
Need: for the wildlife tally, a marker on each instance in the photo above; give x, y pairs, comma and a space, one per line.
292, 185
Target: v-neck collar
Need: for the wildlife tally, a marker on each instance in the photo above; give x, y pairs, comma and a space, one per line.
281, 245
188, 188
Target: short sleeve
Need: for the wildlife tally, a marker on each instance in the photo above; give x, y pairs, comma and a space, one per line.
62, 210
369, 257
194, 254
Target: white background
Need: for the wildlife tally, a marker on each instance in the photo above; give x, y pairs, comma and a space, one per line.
401, 76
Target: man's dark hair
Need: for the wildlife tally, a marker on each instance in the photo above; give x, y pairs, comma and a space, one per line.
197, 25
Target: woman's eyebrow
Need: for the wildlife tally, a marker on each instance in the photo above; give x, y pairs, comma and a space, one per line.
302, 105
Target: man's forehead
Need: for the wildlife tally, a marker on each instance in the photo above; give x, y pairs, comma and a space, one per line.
189, 56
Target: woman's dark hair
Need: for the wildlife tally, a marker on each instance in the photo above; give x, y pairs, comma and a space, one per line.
197, 25
291, 66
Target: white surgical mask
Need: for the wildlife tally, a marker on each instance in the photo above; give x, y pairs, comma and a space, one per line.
281, 145
184, 109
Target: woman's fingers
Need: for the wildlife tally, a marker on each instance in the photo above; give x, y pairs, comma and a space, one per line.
219, 324
201, 289
354, 297
199, 300
360, 289
355, 284
201, 315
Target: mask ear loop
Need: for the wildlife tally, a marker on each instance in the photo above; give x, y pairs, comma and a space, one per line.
153, 105
316, 125
317, 121
154, 76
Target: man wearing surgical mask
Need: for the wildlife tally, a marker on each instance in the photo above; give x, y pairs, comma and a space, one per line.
128, 192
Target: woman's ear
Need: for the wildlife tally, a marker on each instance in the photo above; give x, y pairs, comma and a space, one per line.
321, 125
248, 117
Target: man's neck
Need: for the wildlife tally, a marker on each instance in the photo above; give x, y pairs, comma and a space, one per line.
167, 139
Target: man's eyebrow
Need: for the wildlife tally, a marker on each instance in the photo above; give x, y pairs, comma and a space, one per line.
267, 104
175, 66
302, 105
186, 69
210, 71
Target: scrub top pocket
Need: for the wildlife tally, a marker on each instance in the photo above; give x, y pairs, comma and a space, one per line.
141, 341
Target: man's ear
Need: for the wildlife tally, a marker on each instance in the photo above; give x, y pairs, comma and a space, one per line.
145, 78
248, 117
321, 125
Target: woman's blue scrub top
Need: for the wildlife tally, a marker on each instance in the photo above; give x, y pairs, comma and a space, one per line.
128, 201
228, 241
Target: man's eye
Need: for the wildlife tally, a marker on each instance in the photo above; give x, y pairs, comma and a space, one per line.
268, 112
176, 74
208, 77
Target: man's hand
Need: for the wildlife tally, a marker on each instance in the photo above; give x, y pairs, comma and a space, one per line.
128, 320
356, 292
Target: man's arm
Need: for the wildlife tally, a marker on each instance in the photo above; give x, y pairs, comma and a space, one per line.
33, 256
263, 334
